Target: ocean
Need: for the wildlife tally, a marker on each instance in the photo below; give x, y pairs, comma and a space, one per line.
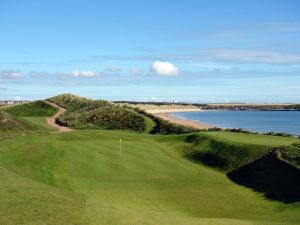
259, 121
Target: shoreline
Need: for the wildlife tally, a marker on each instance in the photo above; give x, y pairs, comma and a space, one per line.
157, 111
165, 115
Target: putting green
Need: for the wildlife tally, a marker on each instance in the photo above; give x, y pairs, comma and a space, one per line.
82, 178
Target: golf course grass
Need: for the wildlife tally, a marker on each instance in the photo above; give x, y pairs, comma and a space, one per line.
32, 109
83, 177
257, 139
38, 123
90, 177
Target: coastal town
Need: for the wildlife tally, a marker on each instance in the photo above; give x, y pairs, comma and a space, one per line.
13, 102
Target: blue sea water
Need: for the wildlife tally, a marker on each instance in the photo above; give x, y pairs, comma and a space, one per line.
259, 121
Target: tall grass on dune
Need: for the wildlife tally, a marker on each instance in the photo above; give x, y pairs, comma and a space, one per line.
10, 125
83, 113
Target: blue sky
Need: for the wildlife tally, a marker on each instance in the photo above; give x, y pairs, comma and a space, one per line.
196, 51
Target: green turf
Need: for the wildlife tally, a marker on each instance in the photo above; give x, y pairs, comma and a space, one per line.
221, 154
33, 109
82, 177
149, 124
39, 123
257, 139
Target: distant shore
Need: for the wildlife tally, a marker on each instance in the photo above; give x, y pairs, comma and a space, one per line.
171, 110
165, 114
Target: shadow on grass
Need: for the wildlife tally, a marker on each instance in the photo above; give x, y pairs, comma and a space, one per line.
275, 178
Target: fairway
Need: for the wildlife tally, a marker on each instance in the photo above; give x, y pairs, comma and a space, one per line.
39, 123
82, 178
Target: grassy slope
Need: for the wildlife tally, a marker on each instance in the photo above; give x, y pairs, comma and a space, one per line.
82, 178
33, 109
10, 125
228, 150
38, 123
223, 154
33, 115
83, 113
291, 154
252, 138
150, 124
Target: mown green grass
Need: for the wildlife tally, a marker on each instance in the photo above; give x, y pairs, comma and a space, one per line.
38, 123
257, 139
33, 109
150, 124
82, 178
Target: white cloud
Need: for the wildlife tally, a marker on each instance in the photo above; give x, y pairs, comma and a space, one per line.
78, 73
136, 71
11, 74
164, 68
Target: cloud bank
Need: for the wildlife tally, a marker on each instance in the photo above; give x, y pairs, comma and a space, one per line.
11, 74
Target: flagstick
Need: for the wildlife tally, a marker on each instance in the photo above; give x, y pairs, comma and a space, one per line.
120, 149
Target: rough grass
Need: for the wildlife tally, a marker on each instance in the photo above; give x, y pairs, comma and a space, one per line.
291, 154
74, 103
33, 109
222, 154
10, 125
82, 178
83, 113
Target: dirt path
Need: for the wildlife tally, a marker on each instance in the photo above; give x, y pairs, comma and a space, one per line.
51, 120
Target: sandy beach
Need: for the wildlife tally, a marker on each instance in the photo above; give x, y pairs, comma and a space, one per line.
165, 114
156, 111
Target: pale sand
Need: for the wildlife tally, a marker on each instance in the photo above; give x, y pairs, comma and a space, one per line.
188, 123
172, 110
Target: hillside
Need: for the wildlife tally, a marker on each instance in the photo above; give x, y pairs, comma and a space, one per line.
275, 178
272, 171
10, 125
291, 154
83, 113
33, 109
221, 154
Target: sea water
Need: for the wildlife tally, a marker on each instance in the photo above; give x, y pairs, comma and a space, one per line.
259, 121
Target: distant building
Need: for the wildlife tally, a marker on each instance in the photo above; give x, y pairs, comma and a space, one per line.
12, 102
